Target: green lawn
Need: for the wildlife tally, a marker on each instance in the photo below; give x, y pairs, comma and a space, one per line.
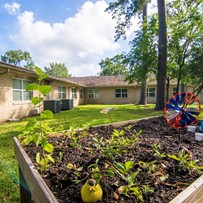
80, 116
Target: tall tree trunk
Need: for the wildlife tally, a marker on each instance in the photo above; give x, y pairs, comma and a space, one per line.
144, 83
143, 93
162, 58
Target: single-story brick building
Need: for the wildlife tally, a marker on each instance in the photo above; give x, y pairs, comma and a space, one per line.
15, 101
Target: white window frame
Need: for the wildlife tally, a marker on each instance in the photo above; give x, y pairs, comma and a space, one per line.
22, 90
62, 92
74, 93
121, 93
151, 92
93, 93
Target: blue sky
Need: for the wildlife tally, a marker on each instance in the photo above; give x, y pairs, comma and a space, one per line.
75, 32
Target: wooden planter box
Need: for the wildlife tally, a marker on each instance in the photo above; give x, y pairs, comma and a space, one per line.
33, 187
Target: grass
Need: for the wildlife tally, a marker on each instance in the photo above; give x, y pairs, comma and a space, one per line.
82, 115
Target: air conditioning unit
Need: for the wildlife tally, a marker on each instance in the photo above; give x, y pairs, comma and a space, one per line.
66, 104
52, 105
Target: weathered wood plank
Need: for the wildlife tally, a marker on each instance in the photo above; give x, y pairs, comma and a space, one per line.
192, 194
38, 188
25, 195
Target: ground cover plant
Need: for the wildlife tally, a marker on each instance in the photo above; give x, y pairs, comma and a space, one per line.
141, 162
78, 117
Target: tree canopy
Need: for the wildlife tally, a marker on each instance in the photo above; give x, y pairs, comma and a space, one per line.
16, 57
113, 66
57, 70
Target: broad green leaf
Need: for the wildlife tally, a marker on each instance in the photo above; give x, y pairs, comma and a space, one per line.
36, 139
32, 86
31, 123
44, 89
131, 178
50, 158
27, 140
137, 192
129, 165
38, 71
47, 114
36, 100
172, 156
43, 76
121, 167
48, 147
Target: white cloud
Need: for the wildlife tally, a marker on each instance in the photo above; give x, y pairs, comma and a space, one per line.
80, 41
12, 9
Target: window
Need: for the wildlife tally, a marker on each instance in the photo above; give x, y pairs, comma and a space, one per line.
120, 93
62, 92
74, 93
19, 90
81, 93
93, 93
150, 92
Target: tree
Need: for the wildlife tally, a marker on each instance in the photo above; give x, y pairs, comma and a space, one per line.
16, 57
123, 11
195, 66
162, 56
57, 70
113, 66
142, 57
184, 28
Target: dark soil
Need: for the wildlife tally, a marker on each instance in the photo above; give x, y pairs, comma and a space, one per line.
166, 177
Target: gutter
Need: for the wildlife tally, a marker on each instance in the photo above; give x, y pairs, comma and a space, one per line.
6, 71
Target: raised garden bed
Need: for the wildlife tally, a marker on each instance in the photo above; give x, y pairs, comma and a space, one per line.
87, 153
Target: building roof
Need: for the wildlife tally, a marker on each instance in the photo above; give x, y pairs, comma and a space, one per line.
7, 67
101, 81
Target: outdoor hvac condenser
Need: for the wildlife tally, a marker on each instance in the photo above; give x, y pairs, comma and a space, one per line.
66, 104
52, 105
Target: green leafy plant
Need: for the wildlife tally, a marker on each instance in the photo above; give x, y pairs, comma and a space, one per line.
186, 162
36, 130
148, 166
132, 187
157, 151
95, 171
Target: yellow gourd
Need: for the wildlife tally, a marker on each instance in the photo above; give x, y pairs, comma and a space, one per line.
91, 191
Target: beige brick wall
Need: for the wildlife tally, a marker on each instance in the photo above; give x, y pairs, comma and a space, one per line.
54, 93
10, 109
107, 96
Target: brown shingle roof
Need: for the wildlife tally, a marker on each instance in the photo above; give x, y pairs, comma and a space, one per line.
101, 81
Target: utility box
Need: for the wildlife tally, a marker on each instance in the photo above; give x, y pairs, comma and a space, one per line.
66, 104
52, 105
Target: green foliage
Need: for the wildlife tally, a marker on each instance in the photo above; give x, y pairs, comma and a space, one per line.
95, 171
185, 161
58, 70
124, 170
17, 56
157, 149
36, 131
184, 34
142, 57
149, 166
123, 12
113, 66
43, 160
